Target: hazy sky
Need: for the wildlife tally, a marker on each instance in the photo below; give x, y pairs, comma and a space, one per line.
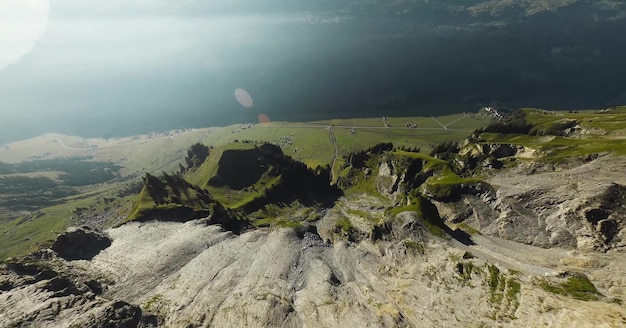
122, 67
21, 24
111, 66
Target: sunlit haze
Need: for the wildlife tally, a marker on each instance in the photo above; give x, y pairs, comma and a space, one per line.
119, 68
21, 23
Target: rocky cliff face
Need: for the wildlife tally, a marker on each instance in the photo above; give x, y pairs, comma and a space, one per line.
575, 204
582, 207
189, 274
44, 290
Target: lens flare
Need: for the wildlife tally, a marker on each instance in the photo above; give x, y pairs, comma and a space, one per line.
243, 97
264, 118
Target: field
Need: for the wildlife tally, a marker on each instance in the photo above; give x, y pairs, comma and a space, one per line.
312, 143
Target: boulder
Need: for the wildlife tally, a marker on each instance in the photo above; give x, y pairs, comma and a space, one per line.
80, 244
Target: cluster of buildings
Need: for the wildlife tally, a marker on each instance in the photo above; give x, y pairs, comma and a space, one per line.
492, 113
284, 141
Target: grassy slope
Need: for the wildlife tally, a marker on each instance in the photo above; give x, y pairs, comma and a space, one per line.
201, 175
314, 143
163, 153
440, 184
315, 147
605, 132
26, 234
228, 197
144, 203
611, 121
30, 231
443, 181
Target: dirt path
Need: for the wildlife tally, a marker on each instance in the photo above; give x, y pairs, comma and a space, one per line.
458, 119
524, 258
71, 148
436, 120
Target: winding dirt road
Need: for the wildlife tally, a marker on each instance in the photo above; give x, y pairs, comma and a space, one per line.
71, 148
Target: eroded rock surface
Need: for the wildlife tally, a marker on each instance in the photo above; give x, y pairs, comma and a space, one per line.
357, 265
174, 274
581, 207
43, 290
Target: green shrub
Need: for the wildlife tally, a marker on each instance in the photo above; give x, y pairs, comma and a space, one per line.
577, 286
410, 244
468, 255
345, 225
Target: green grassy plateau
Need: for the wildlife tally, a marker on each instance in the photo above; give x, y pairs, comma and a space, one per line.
561, 135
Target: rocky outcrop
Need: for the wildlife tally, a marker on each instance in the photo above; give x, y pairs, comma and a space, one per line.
476, 156
80, 243
398, 175
401, 174
43, 290
489, 149
173, 274
404, 226
581, 207
191, 274
119, 314
606, 214
389, 181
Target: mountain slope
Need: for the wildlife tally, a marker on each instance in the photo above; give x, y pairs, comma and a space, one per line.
193, 274
504, 229
556, 180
